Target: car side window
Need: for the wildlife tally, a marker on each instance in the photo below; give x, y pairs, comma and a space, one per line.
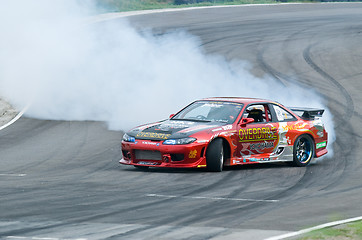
282, 114
259, 112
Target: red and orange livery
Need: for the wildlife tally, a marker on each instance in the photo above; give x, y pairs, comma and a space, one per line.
218, 132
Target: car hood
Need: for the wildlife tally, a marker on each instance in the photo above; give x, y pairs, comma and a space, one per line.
171, 129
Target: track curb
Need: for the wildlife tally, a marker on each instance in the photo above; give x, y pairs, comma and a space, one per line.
19, 115
115, 15
307, 230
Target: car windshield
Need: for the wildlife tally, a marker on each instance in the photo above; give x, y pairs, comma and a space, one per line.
209, 111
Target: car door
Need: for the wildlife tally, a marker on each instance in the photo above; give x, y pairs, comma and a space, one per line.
259, 138
288, 125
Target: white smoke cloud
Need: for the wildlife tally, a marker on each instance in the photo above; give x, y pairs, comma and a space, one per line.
110, 72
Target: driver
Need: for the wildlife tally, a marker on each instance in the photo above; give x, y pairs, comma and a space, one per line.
226, 113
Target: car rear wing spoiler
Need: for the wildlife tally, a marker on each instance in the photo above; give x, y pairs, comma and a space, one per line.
308, 113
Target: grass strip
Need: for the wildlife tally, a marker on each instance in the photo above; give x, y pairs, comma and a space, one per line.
341, 232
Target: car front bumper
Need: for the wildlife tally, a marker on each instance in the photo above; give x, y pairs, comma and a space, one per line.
155, 154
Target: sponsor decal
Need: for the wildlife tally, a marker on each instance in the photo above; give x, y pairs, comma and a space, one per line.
321, 145
168, 126
237, 162
141, 128
152, 135
294, 126
259, 159
147, 163
193, 153
261, 146
246, 160
150, 143
257, 134
225, 128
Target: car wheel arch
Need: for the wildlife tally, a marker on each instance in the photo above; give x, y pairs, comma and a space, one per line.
226, 146
303, 133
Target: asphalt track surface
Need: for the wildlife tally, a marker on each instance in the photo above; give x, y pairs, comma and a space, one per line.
62, 179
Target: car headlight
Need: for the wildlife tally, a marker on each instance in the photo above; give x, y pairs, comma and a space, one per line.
128, 138
179, 141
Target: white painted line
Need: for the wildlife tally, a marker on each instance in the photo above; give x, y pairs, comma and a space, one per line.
43, 238
211, 198
307, 230
35, 238
13, 174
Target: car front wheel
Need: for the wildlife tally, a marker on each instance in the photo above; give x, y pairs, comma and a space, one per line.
215, 156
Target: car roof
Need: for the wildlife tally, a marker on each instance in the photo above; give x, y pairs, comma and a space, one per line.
237, 99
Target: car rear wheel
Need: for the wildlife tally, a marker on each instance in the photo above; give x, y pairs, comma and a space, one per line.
215, 156
303, 151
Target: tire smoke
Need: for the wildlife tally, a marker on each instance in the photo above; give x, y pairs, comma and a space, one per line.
67, 70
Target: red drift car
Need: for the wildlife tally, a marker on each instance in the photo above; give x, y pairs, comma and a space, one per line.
218, 132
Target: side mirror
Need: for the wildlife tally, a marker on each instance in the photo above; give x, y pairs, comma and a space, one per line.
171, 116
246, 121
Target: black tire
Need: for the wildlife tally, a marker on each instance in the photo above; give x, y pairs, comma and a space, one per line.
215, 156
303, 151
